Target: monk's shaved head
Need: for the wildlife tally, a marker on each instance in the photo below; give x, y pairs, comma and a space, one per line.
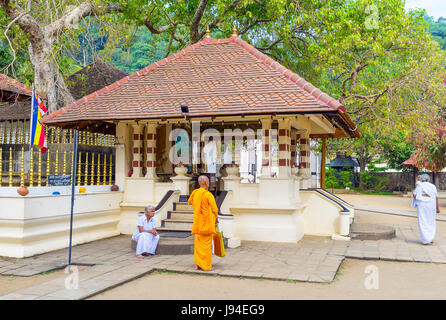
203, 181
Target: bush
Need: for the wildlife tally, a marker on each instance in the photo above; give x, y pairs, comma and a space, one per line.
346, 176
330, 179
369, 180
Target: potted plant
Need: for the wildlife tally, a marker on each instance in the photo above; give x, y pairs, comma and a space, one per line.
23, 191
232, 169
294, 169
180, 169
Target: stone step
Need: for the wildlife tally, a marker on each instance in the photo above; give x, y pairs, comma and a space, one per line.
184, 198
371, 231
176, 246
177, 229
177, 223
184, 215
182, 206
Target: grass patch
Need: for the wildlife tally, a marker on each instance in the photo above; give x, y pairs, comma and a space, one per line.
379, 193
340, 272
49, 271
173, 272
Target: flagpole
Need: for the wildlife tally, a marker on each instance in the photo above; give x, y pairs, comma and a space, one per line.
31, 119
73, 183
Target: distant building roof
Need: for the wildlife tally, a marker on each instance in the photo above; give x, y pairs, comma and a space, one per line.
19, 110
342, 161
409, 162
12, 90
89, 79
92, 78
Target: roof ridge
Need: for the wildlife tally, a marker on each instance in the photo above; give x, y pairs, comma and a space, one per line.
316, 93
300, 82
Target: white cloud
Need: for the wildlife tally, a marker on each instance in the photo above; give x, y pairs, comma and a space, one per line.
435, 8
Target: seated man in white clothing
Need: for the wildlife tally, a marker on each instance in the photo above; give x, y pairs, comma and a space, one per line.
145, 234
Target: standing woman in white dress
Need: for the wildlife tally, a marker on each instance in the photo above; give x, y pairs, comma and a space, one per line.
145, 234
426, 201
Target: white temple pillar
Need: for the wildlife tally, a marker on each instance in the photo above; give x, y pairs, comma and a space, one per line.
120, 161
266, 155
284, 137
293, 154
151, 150
136, 162
304, 166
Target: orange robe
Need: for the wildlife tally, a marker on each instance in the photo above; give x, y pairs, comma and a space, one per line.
205, 214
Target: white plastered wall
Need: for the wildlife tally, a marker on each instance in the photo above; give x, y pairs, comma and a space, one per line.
40, 223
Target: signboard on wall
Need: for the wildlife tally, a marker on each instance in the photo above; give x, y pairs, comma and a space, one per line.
59, 180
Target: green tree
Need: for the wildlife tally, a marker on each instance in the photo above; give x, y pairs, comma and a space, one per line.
382, 64
438, 30
430, 147
346, 176
145, 50
330, 179
396, 149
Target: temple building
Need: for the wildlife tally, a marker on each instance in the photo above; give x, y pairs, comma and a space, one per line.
196, 112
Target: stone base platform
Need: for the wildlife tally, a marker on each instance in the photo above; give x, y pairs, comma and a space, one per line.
370, 231
173, 246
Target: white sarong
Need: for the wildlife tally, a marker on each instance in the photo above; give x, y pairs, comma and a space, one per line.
146, 242
426, 210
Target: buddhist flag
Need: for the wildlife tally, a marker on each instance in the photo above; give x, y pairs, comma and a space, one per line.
37, 130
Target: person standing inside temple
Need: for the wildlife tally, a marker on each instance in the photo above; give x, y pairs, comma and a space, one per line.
203, 227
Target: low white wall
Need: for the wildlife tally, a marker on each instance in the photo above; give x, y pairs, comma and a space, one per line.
139, 193
36, 224
321, 217
48, 191
161, 189
268, 224
265, 211
249, 193
275, 210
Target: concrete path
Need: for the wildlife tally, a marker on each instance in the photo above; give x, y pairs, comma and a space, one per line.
313, 259
394, 211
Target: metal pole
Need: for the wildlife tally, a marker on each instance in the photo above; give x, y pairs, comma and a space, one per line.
323, 157
73, 184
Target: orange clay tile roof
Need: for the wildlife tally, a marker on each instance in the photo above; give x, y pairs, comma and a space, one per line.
212, 77
11, 86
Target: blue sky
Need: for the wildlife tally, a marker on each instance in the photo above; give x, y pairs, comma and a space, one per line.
435, 8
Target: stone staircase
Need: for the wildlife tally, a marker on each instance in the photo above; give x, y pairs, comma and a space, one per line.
175, 231
175, 236
179, 220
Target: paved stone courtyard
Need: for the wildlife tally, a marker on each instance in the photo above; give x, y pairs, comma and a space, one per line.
314, 259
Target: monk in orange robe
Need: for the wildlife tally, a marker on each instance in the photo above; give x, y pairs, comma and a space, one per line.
205, 217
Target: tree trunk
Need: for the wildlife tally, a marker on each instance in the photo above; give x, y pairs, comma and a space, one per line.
47, 79
436, 179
